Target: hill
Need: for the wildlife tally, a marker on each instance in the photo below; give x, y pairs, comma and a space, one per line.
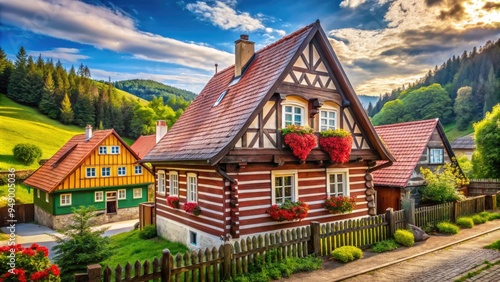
23, 124
120, 93
146, 89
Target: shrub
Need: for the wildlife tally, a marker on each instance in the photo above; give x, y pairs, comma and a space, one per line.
485, 215
148, 232
404, 237
478, 219
347, 253
494, 246
465, 222
441, 186
448, 228
493, 216
27, 153
31, 264
384, 246
429, 227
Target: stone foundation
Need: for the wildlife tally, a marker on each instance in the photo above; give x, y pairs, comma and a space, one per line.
58, 222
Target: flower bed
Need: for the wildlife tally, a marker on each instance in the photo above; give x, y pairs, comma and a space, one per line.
31, 264
289, 211
173, 202
337, 143
192, 208
340, 204
300, 139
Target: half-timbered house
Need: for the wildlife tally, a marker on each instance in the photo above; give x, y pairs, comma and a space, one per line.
226, 152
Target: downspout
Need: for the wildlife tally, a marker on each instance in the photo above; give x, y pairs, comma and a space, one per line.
224, 174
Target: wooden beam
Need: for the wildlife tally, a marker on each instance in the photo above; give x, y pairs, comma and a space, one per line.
309, 93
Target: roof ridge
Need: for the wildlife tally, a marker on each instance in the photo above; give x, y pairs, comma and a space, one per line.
408, 122
286, 37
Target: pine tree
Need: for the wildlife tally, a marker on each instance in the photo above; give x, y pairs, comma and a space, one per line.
34, 87
66, 110
18, 82
6, 68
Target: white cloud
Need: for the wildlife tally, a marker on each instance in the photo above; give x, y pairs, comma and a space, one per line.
104, 28
71, 55
351, 3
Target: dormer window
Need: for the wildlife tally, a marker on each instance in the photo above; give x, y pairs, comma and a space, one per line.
293, 115
220, 98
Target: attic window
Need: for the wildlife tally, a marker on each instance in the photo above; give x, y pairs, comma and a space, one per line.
220, 98
235, 80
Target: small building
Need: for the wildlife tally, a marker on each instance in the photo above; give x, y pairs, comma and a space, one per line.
145, 143
226, 152
95, 168
464, 146
414, 144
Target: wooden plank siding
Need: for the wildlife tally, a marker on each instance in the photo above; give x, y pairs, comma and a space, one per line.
78, 178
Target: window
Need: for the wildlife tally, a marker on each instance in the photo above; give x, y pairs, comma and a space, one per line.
192, 188
193, 238
138, 169
221, 96
337, 182
38, 193
173, 180
65, 199
327, 120
103, 150
122, 194
98, 196
285, 185
293, 115
436, 156
46, 197
105, 171
122, 171
137, 193
90, 172
161, 182
115, 150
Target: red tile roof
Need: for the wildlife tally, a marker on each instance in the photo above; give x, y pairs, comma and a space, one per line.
68, 159
143, 145
406, 141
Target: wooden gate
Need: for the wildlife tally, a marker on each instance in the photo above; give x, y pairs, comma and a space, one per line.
23, 213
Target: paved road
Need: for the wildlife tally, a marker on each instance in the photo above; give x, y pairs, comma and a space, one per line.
444, 265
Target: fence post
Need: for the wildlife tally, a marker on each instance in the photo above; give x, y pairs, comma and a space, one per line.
314, 240
166, 266
455, 211
391, 221
409, 210
228, 258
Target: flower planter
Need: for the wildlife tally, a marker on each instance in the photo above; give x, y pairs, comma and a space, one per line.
337, 143
300, 139
340, 204
192, 208
173, 202
289, 211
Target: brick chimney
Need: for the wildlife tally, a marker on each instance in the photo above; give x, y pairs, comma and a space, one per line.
243, 51
161, 129
88, 132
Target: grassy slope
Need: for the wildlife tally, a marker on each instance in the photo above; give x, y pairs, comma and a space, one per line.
22, 124
453, 133
120, 92
22, 195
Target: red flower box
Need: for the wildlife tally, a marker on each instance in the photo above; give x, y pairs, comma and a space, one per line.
192, 208
340, 204
173, 202
289, 211
337, 143
300, 139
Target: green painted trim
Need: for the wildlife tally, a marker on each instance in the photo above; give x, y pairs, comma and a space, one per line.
104, 188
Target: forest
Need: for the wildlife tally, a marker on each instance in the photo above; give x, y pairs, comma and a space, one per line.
72, 97
461, 90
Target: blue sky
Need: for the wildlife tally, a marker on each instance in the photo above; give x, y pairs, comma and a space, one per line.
381, 44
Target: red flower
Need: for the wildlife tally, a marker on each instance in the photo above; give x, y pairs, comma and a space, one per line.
43, 250
340, 204
192, 208
289, 211
55, 270
173, 201
29, 252
338, 148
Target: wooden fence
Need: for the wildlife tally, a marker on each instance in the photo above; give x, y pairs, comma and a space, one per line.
451, 211
483, 187
23, 213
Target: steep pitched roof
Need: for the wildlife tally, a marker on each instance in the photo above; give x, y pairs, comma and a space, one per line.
465, 142
407, 142
68, 159
206, 132
143, 145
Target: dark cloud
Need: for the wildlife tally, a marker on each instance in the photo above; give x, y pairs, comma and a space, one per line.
434, 2
456, 12
491, 6
451, 37
379, 66
416, 50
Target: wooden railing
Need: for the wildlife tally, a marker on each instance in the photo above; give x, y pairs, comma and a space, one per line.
451, 211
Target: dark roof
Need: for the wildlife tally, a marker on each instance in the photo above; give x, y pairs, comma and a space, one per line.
143, 145
206, 132
407, 142
465, 142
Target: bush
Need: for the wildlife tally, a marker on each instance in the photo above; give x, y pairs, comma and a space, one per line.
478, 219
441, 186
429, 227
31, 264
485, 215
347, 253
404, 237
27, 153
448, 228
384, 246
465, 222
493, 216
494, 246
148, 232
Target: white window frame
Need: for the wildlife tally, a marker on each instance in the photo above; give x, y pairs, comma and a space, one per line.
295, 183
108, 169
67, 201
328, 111
173, 183
118, 194
303, 119
138, 167
103, 150
161, 182
124, 171
90, 169
137, 196
345, 172
192, 187
38, 193
431, 155
113, 150
47, 197
98, 199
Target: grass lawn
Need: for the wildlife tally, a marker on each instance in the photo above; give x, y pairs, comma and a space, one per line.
22, 195
129, 248
3, 236
453, 133
22, 124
